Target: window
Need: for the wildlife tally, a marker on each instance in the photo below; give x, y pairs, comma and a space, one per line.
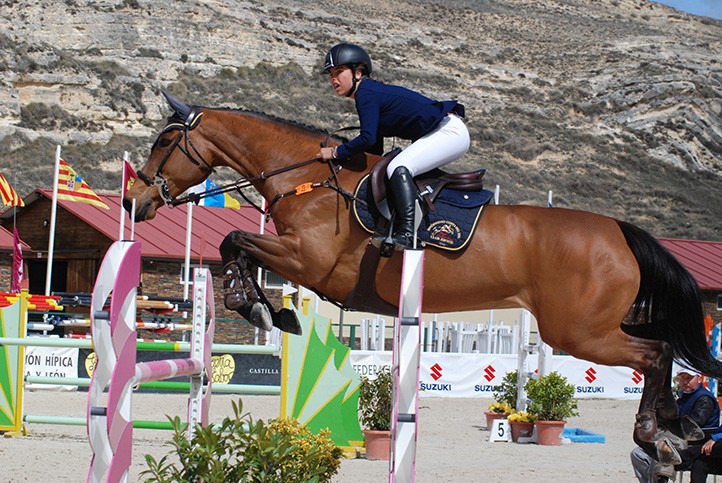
181, 279
271, 280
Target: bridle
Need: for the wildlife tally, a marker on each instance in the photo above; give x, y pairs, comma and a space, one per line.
194, 156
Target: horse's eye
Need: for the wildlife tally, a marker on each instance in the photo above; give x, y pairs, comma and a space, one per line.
164, 143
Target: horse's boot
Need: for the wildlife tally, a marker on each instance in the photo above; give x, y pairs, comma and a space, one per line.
240, 294
233, 298
645, 429
404, 194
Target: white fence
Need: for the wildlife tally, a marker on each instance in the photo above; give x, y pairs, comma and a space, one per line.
454, 337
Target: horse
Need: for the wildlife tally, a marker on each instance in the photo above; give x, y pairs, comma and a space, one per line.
601, 289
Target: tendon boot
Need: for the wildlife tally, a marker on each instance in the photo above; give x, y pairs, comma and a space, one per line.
404, 193
241, 295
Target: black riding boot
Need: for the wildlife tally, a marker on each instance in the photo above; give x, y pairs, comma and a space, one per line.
404, 193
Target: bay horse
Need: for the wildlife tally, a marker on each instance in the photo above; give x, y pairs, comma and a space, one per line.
601, 289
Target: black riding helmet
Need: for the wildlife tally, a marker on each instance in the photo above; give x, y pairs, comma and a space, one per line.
348, 54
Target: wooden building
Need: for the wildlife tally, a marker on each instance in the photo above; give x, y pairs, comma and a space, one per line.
84, 232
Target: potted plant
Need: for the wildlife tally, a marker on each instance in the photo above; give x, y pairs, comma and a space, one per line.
505, 399
522, 425
551, 402
375, 412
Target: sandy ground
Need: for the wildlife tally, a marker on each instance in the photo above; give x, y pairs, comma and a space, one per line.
452, 443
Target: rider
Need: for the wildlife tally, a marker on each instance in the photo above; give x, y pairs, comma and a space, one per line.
436, 129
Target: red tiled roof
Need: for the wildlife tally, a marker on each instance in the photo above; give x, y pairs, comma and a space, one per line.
165, 235
6, 240
703, 259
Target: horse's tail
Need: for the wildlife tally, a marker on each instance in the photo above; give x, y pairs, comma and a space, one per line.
669, 299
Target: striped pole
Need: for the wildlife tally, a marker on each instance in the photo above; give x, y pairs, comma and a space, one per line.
406, 356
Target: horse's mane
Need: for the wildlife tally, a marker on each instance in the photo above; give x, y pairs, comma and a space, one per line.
269, 117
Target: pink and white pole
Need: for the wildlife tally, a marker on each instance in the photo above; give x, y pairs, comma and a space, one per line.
406, 356
109, 416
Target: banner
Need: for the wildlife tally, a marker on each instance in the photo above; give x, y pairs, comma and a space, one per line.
445, 374
51, 362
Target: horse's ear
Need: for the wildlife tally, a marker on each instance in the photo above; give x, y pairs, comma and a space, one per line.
180, 108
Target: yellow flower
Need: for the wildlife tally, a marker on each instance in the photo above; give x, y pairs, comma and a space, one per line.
497, 407
521, 417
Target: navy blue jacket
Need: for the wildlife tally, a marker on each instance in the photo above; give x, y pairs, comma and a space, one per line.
386, 110
686, 403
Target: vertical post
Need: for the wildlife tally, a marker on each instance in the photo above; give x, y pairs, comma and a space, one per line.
523, 362
405, 367
53, 216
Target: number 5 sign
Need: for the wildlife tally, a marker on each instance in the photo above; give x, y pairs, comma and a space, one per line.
500, 431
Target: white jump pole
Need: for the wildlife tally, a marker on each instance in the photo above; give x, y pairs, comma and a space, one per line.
405, 367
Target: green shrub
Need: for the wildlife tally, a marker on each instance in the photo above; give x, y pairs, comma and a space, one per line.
241, 450
552, 397
507, 391
375, 402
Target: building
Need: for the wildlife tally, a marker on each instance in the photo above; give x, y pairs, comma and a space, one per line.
84, 232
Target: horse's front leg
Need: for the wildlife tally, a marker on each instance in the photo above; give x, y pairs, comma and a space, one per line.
241, 291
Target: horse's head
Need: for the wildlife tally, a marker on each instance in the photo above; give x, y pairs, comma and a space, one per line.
180, 158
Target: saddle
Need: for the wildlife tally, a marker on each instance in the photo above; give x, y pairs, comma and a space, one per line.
429, 184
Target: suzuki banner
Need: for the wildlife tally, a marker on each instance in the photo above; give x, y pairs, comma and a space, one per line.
475, 375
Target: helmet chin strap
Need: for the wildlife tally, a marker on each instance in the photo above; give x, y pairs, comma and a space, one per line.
354, 80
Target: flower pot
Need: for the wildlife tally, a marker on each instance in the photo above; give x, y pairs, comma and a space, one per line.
377, 444
520, 429
549, 433
491, 416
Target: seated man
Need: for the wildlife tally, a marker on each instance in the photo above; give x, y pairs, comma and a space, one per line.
694, 401
705, 459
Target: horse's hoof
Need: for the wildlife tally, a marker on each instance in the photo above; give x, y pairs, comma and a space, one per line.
690, 430
646, 426
260, 316
287, 321
667, 454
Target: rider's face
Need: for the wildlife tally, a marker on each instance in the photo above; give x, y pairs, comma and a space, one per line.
341, 79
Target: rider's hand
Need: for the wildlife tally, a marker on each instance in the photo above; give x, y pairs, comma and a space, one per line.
327, 153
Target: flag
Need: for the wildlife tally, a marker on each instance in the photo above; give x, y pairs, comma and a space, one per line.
17, 274
71, 187
220, 200
129, 177
8, 195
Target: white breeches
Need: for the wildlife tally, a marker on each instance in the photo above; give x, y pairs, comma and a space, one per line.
447, 143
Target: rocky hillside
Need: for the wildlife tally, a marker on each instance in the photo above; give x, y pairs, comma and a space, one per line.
615, 105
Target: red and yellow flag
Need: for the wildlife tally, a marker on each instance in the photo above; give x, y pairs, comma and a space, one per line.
129, 176
8, 195
71, 187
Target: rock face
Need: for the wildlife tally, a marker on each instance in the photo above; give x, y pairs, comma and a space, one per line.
615, 105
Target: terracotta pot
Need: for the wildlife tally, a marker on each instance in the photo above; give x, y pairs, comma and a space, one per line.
520, 429
549, 433
491, 416
377, 443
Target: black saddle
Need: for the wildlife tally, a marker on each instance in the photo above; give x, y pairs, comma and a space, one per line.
429, 184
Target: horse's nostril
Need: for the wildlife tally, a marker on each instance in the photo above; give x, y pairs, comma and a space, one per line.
127, 204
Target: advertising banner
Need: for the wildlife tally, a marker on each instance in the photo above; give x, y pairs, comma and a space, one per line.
475, 375
51, 362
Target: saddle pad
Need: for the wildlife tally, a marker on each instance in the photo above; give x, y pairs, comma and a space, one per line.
450, 227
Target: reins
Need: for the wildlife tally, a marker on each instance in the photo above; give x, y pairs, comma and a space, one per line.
192, 120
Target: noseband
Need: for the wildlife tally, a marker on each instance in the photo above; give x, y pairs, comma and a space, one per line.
187, 147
